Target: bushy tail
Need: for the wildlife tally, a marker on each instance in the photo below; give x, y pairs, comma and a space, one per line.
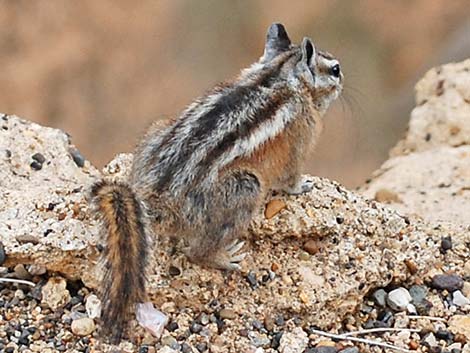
126, 254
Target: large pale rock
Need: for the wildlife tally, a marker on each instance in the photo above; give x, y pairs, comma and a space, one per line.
362, 244
429, 171
43, 213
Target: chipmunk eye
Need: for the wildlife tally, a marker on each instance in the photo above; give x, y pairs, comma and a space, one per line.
335, 70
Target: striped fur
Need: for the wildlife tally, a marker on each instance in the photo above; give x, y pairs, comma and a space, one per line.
126, 254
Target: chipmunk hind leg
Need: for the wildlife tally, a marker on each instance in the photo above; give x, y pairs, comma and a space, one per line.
233, 203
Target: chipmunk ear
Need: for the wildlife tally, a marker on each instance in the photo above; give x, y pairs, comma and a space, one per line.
308, 51
277, 41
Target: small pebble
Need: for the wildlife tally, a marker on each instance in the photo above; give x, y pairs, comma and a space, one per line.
39, 157
186, 348
398, 299
36, 270
174, 271
227, 314
77, 157
259, 339
83, 327
251, 278
350, 350
380, 297
203, 319
418, 293
312, 247
273, 208
276, 340
444, 335
21, 273
93, 306
2, 254
172, 326
448, 282
430, 340
324, 349
195, 327
446, 243
168, 341
201, 347
459, 299
35, 165
26, 238
304, 256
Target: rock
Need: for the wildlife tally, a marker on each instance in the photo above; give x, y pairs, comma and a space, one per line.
30, 210
36, 270
431, 183
379, 297
2, 254
460, 324
411, 309
350, 350
312, 247
418, 293
430, 340
83, 327
228, 314
21, 273
324, 349
93, 306
459, 299
55, 293
446, 243
258, 339
295, 341
77, 157
167, 349
273, 208
398, 299
448, 282
428, 169
169, 341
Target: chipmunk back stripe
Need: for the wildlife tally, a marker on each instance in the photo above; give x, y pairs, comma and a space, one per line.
265, 115
205, 122
234, 113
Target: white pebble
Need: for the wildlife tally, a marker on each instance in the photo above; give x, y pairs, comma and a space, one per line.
93, 306
398, 299
83, 327
411, 309
459, 299
19, 294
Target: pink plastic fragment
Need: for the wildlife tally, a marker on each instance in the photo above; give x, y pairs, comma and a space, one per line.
151, 319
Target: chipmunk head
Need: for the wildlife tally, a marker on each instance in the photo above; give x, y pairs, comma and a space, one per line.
303, 67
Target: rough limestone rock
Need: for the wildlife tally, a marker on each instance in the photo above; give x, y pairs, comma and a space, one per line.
43, 213
428, 173
314, 258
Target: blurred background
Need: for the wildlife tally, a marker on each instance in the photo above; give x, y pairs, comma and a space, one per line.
104, 70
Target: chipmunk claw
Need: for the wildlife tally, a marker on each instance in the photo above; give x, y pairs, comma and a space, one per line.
232, 257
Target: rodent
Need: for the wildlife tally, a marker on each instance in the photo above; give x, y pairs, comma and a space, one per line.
203, 175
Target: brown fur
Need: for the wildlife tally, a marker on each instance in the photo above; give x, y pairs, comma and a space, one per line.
125, 253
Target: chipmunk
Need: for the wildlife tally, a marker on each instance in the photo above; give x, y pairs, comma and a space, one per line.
202, 176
